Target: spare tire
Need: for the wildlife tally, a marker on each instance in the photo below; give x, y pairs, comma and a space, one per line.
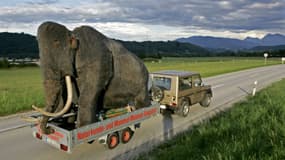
156, 93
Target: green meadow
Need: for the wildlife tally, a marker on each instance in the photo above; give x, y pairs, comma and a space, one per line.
210, 66
19, 89
253, 129
22, 87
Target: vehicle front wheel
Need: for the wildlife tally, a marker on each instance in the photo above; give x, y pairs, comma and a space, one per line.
206, 100
183, 109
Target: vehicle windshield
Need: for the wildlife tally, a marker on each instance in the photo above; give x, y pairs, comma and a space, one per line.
162, 82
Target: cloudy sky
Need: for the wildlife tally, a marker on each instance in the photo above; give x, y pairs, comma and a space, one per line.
149, 19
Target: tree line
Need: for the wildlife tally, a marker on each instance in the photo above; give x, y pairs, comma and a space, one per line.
18, 45
248, 53
21, 45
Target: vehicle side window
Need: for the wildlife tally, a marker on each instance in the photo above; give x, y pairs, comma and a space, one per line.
197, 80
185, 83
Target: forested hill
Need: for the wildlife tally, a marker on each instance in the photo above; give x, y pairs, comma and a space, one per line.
165, 49
20, 45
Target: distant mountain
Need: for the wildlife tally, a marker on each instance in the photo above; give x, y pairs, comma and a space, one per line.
255, 41
234, 44
217, 43
273, 40
20, 45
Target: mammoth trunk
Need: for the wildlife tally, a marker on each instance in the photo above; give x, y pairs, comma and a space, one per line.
54, 95
53, 99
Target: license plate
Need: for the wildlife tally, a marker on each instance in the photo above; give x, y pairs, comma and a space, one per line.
52, 142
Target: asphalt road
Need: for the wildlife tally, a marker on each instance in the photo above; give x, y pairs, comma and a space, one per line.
227, 88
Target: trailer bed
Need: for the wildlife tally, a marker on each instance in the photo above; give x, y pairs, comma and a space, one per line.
66, 138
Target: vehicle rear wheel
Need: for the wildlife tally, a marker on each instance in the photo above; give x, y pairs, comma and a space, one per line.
126, 135
183, 109
113, 140
206, 100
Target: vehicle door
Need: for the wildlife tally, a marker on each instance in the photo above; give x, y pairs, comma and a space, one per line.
197, 88
185, 88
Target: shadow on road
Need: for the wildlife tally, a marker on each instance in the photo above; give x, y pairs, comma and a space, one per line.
167, 124
245, 91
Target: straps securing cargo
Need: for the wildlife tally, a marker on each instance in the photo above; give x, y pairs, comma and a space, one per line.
117, 112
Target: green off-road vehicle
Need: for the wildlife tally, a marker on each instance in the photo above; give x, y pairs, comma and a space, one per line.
178, 90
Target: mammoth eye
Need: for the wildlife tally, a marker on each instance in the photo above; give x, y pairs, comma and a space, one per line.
56, 43
73, 43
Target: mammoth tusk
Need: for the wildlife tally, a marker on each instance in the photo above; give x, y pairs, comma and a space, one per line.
30, 119
67, 104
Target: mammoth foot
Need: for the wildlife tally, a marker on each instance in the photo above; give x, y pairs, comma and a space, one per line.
46, 130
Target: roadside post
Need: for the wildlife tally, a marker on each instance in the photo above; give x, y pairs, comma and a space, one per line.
254, 88
283, 60
265, 58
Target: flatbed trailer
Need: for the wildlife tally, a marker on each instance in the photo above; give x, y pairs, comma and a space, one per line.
110, 131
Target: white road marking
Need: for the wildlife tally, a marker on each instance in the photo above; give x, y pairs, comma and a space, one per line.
15, 127
217, 86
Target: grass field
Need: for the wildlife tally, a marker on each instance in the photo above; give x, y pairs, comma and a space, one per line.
22, 87
252, 130
19, 89
209, 66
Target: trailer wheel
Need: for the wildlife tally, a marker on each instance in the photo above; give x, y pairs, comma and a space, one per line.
113, 140
126, 136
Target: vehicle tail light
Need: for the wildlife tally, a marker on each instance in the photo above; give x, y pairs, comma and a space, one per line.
63, 147
173, 101
39, 136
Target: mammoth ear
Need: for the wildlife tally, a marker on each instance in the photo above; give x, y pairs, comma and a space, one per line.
74, 42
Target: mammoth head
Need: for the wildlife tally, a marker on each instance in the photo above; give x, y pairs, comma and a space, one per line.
57, 46
55, 35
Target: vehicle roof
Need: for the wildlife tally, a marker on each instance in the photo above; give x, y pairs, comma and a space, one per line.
175, 73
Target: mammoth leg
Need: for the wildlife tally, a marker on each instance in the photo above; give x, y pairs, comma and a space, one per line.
88, 107
43, 125
142, 99
91, 88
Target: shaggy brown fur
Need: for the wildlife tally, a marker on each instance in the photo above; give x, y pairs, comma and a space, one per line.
105, 72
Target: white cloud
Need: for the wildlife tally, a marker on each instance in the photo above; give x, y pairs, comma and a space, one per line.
141, 32
199, 18
225, 4
136, 31
259, 5
30, 28
148, 19
226, 33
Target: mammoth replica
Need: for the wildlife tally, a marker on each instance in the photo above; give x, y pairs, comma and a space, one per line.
84, 62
